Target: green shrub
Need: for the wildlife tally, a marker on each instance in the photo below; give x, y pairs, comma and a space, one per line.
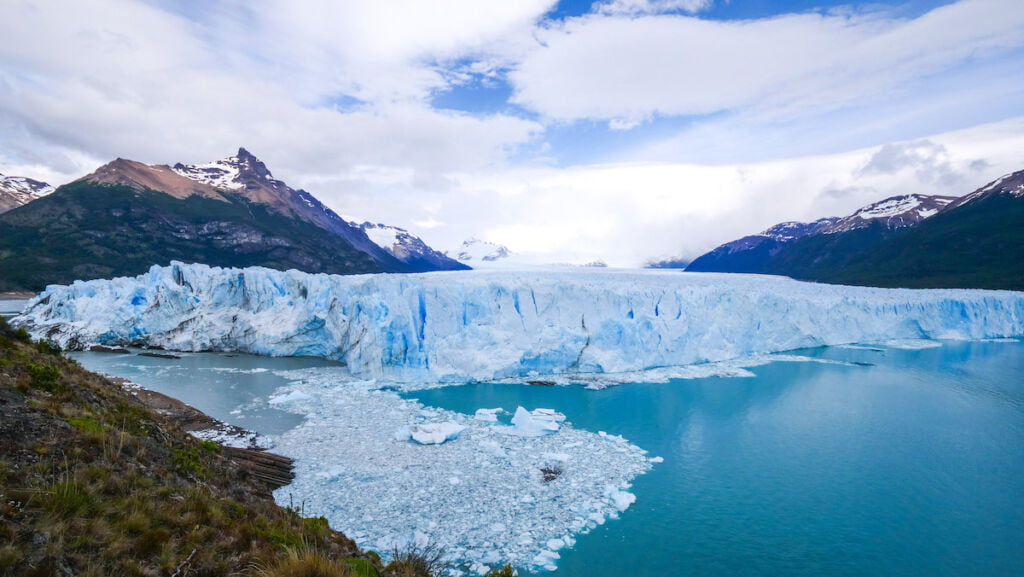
45, 377
361, 567
86, 424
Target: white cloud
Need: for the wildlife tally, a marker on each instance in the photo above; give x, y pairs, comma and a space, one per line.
626, 214
621, 67
120, 78
653, 6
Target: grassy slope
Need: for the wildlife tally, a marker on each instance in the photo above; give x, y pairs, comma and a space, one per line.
86, 230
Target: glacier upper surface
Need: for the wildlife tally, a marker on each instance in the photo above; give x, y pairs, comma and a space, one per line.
484, 325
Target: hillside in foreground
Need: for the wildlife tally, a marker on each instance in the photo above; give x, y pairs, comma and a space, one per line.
93, 483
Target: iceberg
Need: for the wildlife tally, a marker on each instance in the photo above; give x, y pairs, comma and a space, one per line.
527, 424
452, 327
435, 433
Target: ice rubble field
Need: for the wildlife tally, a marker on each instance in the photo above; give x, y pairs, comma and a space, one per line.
482, 496
487, 325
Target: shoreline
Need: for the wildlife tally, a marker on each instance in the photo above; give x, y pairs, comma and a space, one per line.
274, 470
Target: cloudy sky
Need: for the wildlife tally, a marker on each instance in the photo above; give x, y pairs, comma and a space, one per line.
620, 129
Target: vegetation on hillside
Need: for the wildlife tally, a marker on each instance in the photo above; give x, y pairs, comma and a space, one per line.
86, 230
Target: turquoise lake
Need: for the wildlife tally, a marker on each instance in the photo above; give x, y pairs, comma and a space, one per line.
897, 462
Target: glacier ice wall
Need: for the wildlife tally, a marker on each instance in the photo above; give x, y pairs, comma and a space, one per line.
458, 326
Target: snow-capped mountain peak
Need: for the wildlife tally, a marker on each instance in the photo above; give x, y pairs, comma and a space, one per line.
232, 173
792, 230
1012, 184
408, 247
476, 250
18, 190
895, 212
32, 189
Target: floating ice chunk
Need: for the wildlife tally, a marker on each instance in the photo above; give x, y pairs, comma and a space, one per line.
546, 560
912, 344
491, 556
548, 415
555, 544
289, 397
560, 457
524, 424
479, 568
487, 415
435, 433
657, 459
621, 499
493, 448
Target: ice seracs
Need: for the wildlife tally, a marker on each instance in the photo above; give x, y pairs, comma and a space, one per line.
489, 325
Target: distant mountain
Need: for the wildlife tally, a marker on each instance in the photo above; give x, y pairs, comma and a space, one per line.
913, 240
409, 248
127, 216
976, 241
893, 213
476, 251
16, 191
803, 250
751, 254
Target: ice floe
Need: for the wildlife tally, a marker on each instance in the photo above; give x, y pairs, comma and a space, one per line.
483, 497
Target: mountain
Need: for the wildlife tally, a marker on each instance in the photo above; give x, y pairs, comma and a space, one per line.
977, 241
807, 250
478, 251
409, 248
18, 190
127, 216
913, 241
751, 254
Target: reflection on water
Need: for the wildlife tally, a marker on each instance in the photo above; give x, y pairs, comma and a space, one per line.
232, 388
11, 307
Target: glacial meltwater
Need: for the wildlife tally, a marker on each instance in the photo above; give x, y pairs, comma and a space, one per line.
859, 460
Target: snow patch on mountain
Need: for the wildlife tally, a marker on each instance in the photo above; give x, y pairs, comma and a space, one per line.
221, 174
1011, 184
895, 212
16, 191
486, 325
475, 251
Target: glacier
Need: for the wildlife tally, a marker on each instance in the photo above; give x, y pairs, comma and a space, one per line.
452, 327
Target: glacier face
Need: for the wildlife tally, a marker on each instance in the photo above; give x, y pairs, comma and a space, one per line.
485, 325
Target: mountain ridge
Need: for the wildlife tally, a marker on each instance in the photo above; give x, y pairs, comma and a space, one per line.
17, 191
126, 216
913, 240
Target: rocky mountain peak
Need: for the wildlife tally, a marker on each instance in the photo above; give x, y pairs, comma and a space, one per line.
234, 173
18, 190
894, 212
1012, 184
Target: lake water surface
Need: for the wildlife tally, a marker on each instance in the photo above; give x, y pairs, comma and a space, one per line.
896, 462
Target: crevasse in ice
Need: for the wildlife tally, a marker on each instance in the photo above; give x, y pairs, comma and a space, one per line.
480, 325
